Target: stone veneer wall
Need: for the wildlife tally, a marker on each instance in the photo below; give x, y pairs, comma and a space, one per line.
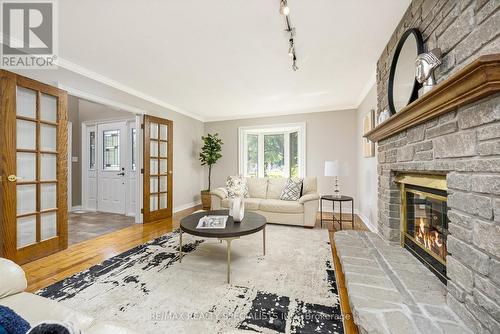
464, 145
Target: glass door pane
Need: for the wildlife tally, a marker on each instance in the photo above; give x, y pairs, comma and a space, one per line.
111, 150
36, 158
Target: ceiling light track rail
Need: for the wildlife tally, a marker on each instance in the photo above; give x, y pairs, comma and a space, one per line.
290, 30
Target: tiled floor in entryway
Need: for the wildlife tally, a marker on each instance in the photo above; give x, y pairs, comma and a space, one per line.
89, 225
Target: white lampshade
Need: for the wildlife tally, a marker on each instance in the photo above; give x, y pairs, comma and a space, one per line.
332, 168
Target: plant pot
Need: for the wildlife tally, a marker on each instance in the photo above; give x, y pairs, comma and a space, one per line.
206, 200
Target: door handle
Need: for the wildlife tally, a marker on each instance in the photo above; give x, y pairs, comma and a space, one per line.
122, 174
170, 172
12, 178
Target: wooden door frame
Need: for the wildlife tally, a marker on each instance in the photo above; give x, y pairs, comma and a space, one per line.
8, 166
157, 215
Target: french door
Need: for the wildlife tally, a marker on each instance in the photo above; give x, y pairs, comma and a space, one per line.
112, 161
33, 168
157, 200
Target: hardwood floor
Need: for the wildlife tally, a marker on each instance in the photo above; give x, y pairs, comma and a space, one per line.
81, 256
78, 257
83, 226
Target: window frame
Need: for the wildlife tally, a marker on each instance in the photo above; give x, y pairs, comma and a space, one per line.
272, 129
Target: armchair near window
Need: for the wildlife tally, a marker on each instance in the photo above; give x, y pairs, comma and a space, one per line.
264, 198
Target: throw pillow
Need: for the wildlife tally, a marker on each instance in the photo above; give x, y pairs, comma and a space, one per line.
54, 327
12, 322
292, 190
236, 186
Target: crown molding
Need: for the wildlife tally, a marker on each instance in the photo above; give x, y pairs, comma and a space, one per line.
70, 66
283, 113
366, 89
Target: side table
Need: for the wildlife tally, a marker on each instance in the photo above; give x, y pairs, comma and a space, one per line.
340, 200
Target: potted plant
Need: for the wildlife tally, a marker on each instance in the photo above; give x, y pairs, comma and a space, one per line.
210, 153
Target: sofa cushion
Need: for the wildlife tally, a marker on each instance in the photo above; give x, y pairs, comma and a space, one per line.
257, 187
276, 205
275, 187
36, 309
250, 203
292, 190
13, 278
309, 185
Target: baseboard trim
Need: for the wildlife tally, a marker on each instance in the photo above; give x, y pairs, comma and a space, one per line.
367, 222
186, 206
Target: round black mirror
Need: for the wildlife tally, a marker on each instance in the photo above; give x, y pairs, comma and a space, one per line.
403, 87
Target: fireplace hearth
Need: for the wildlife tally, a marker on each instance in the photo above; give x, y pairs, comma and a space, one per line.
424, 221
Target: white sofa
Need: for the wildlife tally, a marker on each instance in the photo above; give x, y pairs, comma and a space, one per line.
264, 198
35, 309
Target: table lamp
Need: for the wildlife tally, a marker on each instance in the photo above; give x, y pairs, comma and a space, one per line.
332, 168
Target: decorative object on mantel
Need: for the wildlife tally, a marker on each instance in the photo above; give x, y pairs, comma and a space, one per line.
383, 116
368, 145
210, 153
425, 65
290, 31
402, 87
479, 79
332, 168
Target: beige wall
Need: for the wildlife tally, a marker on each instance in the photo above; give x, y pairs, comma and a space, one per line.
188, 174
367, 178
329, 136
76, 169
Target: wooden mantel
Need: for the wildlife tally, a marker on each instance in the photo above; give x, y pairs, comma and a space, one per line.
475, 81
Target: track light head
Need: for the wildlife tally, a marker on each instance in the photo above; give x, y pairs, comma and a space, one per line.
291, 49
284, 9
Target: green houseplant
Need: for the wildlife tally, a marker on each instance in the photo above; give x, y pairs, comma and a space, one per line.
210, 153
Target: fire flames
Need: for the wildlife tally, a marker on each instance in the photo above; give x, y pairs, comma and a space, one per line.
430, 239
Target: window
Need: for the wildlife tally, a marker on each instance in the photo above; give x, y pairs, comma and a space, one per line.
92, 150
111, 150
272, 151
134, 147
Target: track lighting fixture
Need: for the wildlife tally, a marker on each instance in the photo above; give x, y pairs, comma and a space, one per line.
285, 11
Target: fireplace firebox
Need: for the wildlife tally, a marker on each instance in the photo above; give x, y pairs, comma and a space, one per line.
424, 220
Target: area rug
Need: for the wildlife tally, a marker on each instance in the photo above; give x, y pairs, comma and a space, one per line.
291, 289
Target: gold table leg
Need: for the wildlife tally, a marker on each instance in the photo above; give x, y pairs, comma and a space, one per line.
180, 245
264, 239
228, 240
229, 261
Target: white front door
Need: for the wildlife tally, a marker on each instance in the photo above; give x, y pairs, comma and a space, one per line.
112, 160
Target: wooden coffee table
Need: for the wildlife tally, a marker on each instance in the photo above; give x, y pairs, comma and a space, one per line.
252, 223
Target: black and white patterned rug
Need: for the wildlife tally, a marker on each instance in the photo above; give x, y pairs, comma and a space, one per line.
290, 290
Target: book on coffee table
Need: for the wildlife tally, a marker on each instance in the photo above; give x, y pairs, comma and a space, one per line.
212, 222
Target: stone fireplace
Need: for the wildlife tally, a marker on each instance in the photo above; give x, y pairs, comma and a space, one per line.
463, 146
424, 219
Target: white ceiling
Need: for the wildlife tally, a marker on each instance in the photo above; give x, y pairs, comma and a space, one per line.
224, 59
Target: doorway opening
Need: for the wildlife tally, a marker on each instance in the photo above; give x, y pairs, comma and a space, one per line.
105, 180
